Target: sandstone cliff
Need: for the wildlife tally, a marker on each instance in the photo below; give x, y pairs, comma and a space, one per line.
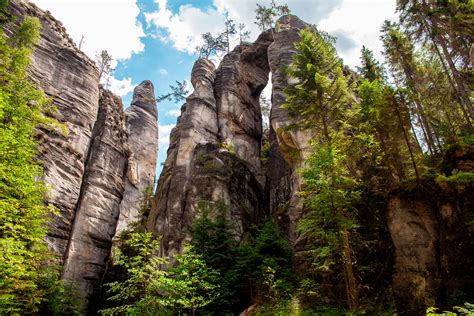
215, 154
141, 119
94, 173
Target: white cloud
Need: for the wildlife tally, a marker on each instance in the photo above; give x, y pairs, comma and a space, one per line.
353, 20
105, 24
360, 20
120, 87
163, 72
184, 28
164, 131
173, 113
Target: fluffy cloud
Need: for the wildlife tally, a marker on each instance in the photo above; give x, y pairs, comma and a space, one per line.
184, 28
351, 21
105, 24
120, 87
356, 20
173, 113
163, 72
164, 131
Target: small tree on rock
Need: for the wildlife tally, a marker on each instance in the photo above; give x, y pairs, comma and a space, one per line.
266, 17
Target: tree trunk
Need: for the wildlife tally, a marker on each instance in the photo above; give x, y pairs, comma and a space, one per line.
407, 140
463, 94
349, 273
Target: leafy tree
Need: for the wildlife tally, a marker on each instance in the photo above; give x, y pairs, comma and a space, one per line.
189, 285
243, 34
211, 45
137, 257
149, 288
25, 280
266, 16
178, 93
104, 62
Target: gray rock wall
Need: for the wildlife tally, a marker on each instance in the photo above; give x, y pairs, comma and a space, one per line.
71, 80
97, 210
142, 128
94, 172
214, 153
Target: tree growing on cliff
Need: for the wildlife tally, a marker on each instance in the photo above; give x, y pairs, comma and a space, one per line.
178, 93
104, 62
266, 16
211, 45
24, 277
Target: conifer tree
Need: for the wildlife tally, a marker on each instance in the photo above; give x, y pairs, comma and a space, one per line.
318, 102
399, 51
266, 16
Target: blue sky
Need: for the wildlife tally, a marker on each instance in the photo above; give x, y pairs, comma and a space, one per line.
155, 39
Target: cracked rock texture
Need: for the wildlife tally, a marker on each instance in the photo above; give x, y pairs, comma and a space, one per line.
214, 153
94, 172
99, 172
141, 120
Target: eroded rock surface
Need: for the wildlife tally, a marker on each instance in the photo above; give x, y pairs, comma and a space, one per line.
214, 153
86, 170
71, 80
142, 129
102, 189
197, 125
288, 148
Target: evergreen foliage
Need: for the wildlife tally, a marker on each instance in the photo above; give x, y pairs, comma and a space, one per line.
254, 267
265, 16
25, 280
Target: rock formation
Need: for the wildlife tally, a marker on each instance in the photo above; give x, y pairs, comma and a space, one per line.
141, 118
102, 189
94, 172
98, 173
214, 152
71, 79
288, 148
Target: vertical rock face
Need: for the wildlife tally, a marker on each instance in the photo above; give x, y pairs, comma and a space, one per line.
71, 80
214, 152
196, 126
413, 229
141, 119
86, 171
97, 210
240, 78
288, 148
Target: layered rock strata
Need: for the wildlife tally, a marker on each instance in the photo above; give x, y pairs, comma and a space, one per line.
71, 80
214, 153
94, 172
141, 118
97, 210
288, 148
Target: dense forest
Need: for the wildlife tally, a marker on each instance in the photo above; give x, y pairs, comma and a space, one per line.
384, 129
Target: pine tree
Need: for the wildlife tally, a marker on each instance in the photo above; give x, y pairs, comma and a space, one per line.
318, 102
399, 51
265, 16
444, 24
